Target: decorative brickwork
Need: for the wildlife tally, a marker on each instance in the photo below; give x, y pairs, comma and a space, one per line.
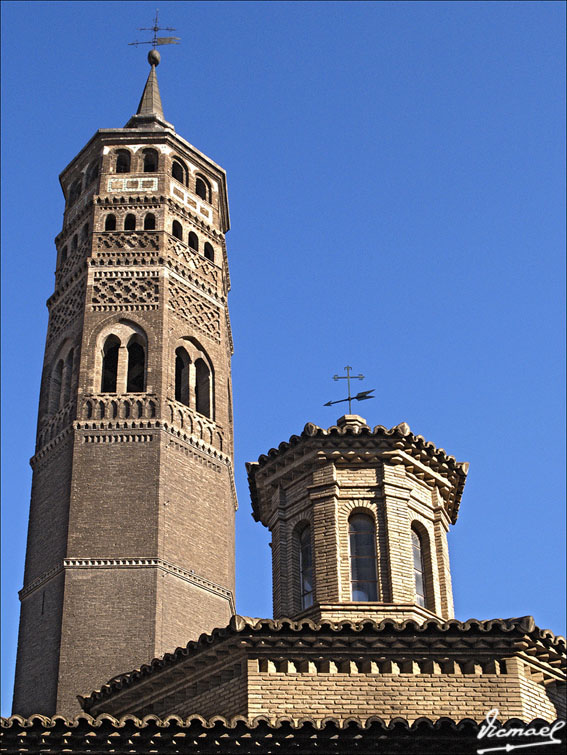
197, 311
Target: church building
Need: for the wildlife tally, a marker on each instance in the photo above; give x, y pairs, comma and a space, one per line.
129, 637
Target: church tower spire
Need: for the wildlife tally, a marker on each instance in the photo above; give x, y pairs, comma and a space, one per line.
130, 546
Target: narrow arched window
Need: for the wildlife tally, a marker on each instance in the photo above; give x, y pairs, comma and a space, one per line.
202, 188
92, 173
176, 229
130, 222
55, 385
68, 376
84, 232
150, 161
178, 172
123, 161
305, 568
74, 242
136, 367
150, 222
193, 241
362, 543
75, 192
209, 251
110, 365
110, 223
418, 568
63, 256
182, 376
202, 388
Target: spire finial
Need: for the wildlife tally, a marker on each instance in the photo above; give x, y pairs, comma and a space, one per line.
155, 41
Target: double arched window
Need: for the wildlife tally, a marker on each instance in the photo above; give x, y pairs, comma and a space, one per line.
113, 367
305, 567
362, 550
60, 382
194, 377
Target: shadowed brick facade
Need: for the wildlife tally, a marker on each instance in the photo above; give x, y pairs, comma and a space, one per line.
131, 535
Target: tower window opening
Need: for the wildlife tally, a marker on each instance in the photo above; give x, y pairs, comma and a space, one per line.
182, 362
305, 568
55, 385
110, 223
63, 255
418, 568
75, 191
209, 251
179, 172
110, 365
68, 377
176, 229
136, 368
362, 543
75, 243
92, 173
150, 222
130, 222
202, 388
123, 161
202, 189
150, 161
84, 232
193, 241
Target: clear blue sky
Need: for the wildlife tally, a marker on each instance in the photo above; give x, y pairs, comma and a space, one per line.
396, 183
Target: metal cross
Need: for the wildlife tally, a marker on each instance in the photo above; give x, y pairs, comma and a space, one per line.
157, 40
362, 396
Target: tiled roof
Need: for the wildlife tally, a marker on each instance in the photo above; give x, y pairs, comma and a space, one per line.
39, 734
400, 437
241, 626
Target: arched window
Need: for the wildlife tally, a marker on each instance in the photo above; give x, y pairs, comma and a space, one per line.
182, 362
123, 161
150, 161
136, 367
150, 222
202, 388
110, 223
209, 251
176, 229
74, 242
75, 191
418, 568
305, 568
193, 241
179, 172
84, 232
63, 256
362, 543
202, 189
110, 365
68, 375
92, 173
55, 387
130, 222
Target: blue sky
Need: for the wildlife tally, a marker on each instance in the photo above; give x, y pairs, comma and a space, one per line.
396, 184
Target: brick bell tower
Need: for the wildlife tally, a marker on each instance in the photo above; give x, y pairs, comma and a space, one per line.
130, 546
359, 519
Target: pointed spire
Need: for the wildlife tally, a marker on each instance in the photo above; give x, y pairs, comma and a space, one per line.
150, 104
150, 110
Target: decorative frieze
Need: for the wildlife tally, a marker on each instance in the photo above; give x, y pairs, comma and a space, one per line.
127, 240
118, 291
132, 184
197, 311
66, 310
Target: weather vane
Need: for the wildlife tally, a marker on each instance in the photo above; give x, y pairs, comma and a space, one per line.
157, 40
362, 396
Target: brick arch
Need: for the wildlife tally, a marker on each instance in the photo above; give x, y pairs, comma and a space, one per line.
346, 510
426, 532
